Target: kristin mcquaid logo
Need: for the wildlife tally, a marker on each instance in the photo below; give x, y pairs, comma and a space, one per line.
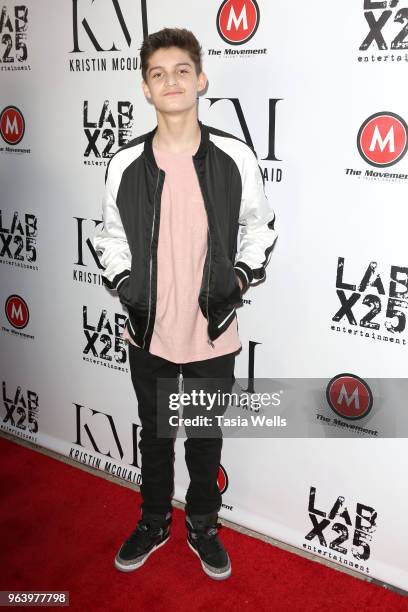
349, 396
237, 21
17, 312
382, 139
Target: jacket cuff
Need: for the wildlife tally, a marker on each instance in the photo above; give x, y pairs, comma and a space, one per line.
244, 272
117, 280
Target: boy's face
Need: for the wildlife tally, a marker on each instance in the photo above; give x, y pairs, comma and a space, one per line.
171, 80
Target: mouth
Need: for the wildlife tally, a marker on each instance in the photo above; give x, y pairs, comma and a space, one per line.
173, 93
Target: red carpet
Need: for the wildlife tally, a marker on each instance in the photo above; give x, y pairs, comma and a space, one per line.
61, 528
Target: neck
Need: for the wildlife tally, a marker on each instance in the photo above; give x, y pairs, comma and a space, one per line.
177, 133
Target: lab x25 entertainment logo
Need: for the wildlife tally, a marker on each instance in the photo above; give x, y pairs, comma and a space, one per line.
106, 129
18, 234
375, 303
387, 26
22, 410
343, 531
13, 37
104, 344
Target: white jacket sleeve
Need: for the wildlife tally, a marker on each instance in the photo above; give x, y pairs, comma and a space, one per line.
257, 218
109, 239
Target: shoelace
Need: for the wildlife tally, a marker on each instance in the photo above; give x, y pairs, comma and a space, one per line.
207, 540
142, 532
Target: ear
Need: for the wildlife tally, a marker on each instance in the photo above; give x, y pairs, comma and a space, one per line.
146, 89
202, 81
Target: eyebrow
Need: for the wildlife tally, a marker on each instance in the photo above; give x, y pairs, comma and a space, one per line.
178, 64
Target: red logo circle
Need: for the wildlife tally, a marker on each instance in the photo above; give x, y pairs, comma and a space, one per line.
222, 479
12, 125
17, 312
349, 396
383, 139
237, 21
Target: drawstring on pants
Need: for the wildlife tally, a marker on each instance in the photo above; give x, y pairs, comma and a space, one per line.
180, 380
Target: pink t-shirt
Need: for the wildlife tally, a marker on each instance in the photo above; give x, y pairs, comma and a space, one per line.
180, 328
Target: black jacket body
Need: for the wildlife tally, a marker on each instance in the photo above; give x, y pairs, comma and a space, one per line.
233, 193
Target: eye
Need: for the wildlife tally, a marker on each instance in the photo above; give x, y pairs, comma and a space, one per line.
156, 75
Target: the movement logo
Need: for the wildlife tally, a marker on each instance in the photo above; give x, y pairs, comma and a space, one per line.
17, 312
12, 125
349, 396
237, 21
222, 483
382, 139
18, 315
222, 479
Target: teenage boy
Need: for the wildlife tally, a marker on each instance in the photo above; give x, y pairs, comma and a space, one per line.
173, 203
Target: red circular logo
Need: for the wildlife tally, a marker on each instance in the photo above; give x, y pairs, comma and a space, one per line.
12, 125
17, 312
222, 479
383, 139
237, 21
349, 396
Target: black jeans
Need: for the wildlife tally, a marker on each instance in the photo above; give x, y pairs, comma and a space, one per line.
202, 455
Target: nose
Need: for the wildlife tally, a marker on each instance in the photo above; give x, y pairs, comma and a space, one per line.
171, 79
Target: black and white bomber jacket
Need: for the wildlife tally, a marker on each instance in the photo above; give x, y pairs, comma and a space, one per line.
126, 241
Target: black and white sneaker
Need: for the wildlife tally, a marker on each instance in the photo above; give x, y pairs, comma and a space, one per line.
152, 531
202, 538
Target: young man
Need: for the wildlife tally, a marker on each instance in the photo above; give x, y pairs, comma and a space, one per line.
174, 200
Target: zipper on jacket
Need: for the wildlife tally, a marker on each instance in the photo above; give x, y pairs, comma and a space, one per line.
180, 380
131, 326
210, 342
150, 264
226, 318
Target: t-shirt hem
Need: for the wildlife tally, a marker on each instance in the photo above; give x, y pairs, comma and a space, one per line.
200, 357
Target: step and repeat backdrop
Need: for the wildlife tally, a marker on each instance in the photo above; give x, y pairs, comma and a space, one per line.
317, 89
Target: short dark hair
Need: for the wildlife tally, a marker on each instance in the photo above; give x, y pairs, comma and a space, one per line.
171, 37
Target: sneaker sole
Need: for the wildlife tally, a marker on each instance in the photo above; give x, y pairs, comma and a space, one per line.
130, 567
214, 575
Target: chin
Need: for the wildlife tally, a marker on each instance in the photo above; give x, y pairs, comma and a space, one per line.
182, 106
